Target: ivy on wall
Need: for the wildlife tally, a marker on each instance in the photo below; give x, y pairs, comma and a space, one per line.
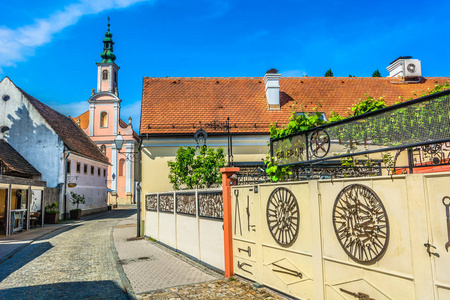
299, 123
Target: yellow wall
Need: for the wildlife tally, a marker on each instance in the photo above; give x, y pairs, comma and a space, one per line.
157, 152
3, 193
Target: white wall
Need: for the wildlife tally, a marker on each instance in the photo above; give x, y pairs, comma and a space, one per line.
93, 187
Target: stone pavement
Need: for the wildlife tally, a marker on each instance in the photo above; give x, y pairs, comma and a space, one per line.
156, 272
11, 244
76, 261
100, 257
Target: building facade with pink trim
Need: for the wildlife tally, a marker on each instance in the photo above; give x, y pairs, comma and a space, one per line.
102, 123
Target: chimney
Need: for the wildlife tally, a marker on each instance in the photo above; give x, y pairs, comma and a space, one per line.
272, 82
405, 67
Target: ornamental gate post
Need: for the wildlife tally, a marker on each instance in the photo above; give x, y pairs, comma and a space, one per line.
227, 172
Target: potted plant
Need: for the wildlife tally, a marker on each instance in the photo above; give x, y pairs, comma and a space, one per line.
51, 213
75, 214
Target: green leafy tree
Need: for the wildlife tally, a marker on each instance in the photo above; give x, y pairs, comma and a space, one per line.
329, 73
77, 199
181, 170
376, 73
199, 171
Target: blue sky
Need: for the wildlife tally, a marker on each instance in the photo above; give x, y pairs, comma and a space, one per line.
49, 48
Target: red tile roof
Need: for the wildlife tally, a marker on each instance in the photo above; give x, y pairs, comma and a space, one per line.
14, 161
177, 105
73, 137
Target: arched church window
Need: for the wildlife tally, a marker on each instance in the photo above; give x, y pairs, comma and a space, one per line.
121, 166
103, 149
103, 119
105, 74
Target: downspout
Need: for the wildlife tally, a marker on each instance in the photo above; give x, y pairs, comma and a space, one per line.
65, 184
138, 191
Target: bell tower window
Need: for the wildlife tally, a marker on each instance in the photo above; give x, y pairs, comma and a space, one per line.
103, 119
105, 74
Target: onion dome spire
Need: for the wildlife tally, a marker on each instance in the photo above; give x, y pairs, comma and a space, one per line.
107, 55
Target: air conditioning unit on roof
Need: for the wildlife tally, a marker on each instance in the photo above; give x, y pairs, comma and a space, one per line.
405, 67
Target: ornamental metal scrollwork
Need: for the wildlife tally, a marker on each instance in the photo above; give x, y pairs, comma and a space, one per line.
319, 143
361, 223
283, 217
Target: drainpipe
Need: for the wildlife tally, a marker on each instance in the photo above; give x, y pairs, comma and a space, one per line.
138, 191
65, 184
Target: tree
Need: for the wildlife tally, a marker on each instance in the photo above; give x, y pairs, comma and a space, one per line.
376, 73
329, 73
199, 171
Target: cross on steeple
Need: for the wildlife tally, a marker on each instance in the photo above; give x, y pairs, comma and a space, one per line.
107, 55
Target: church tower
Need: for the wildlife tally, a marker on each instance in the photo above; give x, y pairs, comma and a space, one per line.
104, 105
103, 125
107, 69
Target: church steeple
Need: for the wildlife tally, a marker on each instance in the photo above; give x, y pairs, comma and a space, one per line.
107, 55
107, 69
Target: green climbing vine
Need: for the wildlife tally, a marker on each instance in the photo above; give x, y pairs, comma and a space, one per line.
402, 121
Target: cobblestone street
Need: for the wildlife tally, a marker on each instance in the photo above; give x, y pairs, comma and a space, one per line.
100, 258
74, 262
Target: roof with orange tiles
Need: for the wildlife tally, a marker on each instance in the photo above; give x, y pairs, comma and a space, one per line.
176, 105
14, 161
73, 137
84, 120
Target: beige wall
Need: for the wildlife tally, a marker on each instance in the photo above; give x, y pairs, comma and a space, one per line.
157, 152
416, 215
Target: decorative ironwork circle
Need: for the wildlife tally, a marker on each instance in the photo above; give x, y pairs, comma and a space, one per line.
319, 143
432, 148
361, 223
283, 216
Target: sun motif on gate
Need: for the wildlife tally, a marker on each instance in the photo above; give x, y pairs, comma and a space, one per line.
283, 217
361, 223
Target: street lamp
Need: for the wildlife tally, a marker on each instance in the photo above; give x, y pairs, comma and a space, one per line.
118, 141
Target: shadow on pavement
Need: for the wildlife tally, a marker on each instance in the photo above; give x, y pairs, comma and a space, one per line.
29, 253
105, 289
35, 250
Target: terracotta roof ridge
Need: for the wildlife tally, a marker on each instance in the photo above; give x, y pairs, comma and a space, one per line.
172, 78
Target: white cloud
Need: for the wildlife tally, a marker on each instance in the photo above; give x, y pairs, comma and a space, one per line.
17, 44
